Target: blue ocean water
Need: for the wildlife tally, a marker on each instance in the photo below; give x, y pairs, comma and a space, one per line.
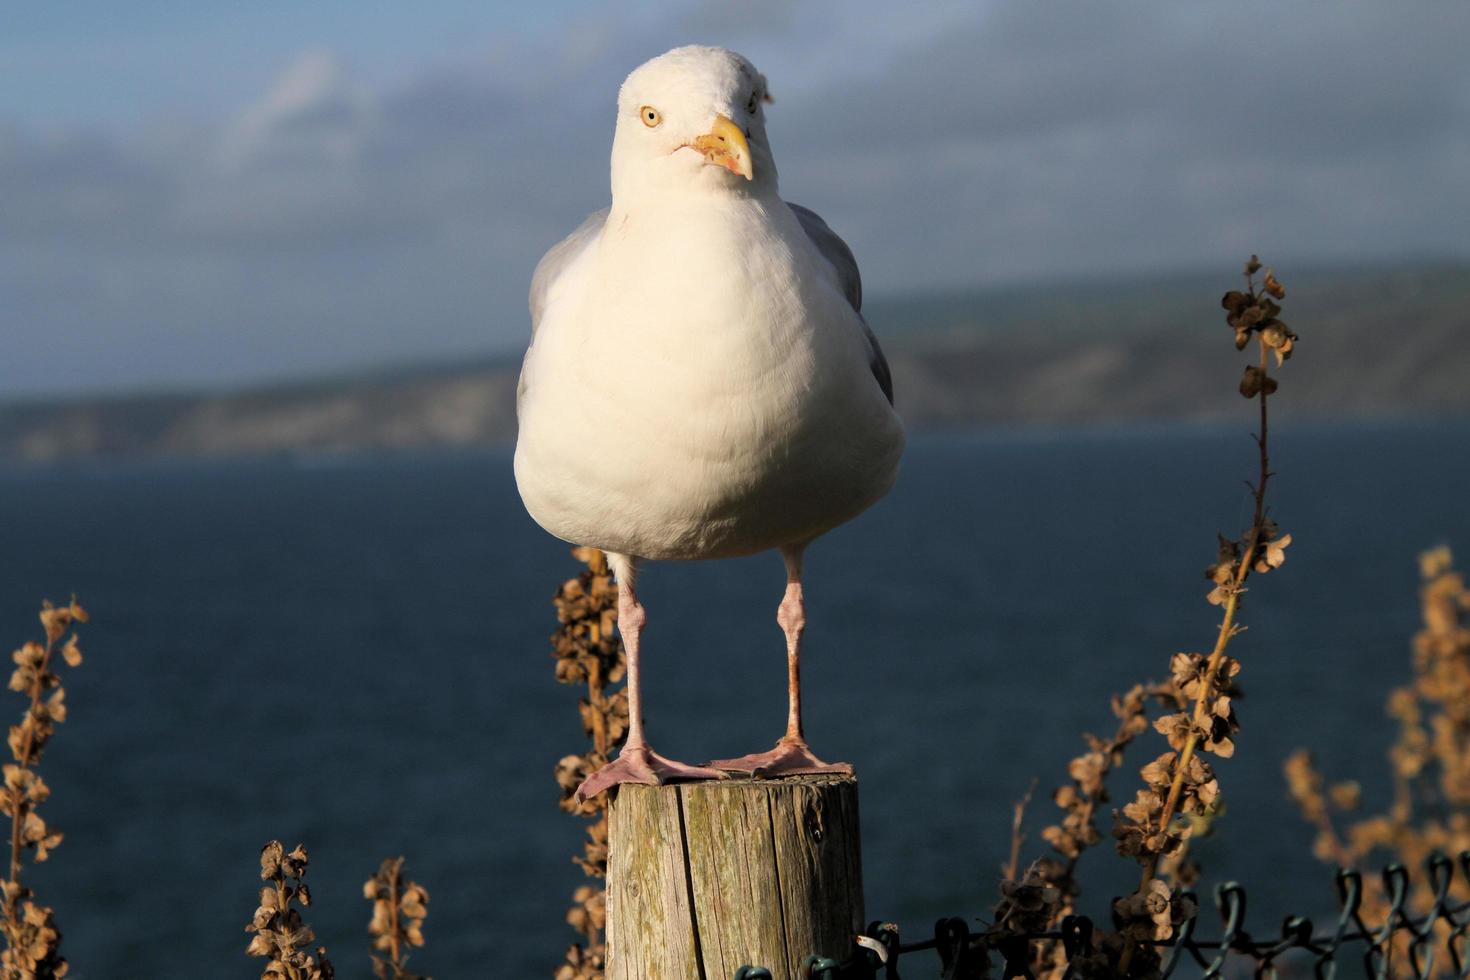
354, 655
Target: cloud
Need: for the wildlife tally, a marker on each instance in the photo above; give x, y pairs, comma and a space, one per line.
312, 117
332, 222
1085, 138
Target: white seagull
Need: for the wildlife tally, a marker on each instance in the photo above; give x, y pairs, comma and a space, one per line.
700, 383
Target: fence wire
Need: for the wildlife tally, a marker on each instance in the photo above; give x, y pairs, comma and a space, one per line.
1405, 944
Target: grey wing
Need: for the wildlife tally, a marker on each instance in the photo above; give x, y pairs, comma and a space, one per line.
561, 255
835, 251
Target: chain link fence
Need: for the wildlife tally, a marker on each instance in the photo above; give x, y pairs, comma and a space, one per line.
1378, 937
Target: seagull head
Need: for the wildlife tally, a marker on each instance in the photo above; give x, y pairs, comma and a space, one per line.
693, 118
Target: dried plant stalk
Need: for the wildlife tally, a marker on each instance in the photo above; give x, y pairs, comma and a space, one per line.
588, 650
1018, 835
1051, 882
1180, 781
1430, 809
281, 936
32, 941
1180, 794
399, 909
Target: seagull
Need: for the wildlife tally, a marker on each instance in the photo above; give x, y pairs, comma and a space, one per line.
700, 382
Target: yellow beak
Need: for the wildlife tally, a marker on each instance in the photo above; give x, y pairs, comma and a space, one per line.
725, 145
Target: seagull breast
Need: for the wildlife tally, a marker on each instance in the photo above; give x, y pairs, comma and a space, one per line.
699, 387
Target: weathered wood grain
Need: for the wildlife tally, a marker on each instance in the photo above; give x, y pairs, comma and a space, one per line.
648, 885
706, 877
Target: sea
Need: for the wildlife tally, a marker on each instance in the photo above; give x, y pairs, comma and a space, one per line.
353, 653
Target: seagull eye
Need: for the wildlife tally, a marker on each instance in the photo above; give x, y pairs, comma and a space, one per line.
755, 103
651, 116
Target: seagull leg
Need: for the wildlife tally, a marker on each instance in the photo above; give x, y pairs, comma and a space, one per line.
791, 756
637, 762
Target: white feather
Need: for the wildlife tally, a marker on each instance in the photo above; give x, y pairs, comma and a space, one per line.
698, 385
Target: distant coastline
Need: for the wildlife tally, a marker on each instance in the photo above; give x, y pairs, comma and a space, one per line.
1386, 343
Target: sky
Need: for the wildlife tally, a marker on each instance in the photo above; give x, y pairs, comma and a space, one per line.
206, 194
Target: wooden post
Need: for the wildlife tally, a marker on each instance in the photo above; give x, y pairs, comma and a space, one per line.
704, 878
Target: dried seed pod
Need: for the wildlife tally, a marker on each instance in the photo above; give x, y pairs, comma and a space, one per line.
32, 941
588, 650
1273, 286
399, 909
1255, 381
279, 933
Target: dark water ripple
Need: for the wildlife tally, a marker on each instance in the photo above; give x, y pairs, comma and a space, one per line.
354, 656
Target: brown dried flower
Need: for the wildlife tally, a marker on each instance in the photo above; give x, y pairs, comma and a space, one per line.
1029, 905
1153, 912
1254, 381
32, 941
1273, 286
1431, 758
1081, 798
1270, 548
1223, 572
583, 964
280, 934
1180, 796
399, 909
589, 650
1256, 312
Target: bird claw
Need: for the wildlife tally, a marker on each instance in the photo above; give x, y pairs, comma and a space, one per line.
790, 757
642, 765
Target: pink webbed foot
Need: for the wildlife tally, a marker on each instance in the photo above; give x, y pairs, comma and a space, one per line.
641, 764
790, 757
